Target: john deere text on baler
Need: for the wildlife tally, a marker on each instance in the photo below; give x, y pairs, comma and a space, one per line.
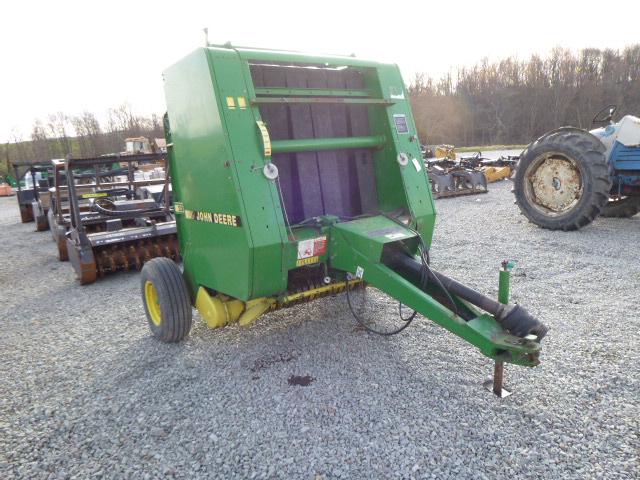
295, 177
109, 227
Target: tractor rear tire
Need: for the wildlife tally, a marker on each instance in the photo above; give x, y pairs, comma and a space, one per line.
166, 300
563, 180
623, 208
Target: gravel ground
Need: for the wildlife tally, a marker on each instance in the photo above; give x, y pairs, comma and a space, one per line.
86, 392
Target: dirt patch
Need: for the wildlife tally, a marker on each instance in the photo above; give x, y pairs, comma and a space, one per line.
298, 380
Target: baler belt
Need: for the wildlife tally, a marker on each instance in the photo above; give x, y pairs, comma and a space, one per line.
319, 181
312, 202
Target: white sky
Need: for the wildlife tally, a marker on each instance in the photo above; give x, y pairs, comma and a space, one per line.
66, 55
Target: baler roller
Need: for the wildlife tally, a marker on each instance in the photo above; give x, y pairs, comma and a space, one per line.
319, 144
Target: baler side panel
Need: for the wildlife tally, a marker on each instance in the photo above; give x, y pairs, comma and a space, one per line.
263, 213
215, 255
386, 170
415, 192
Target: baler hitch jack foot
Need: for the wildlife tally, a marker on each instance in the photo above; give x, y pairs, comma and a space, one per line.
496, 385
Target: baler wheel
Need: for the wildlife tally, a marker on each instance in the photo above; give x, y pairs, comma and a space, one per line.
166, 300
625, 207
563, 180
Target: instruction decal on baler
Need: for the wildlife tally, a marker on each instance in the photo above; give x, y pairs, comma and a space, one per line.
309, 250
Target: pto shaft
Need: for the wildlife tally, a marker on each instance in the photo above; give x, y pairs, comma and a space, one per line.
513, 318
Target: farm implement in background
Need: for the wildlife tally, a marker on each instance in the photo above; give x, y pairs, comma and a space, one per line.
102, 223
33, 183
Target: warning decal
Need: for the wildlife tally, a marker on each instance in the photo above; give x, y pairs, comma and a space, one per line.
312, 247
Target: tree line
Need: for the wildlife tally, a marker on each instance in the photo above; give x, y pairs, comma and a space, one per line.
83, 135
506, 102
513, 101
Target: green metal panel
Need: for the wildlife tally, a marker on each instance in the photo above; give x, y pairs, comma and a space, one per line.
415, 194
259, 195
214, 153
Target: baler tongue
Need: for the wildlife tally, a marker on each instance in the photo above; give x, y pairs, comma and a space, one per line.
380, 251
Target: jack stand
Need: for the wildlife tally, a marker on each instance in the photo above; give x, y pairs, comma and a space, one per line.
495, 385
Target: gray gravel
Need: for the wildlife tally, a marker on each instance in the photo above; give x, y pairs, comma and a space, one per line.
86, 392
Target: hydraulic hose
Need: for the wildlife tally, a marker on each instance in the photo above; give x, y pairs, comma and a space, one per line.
513, 318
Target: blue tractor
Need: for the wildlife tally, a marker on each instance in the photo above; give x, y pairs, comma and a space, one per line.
569, 176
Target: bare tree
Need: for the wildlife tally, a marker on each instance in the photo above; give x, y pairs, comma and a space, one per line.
40, 142
514, 101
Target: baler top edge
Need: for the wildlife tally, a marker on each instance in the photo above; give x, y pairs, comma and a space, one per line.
252, 53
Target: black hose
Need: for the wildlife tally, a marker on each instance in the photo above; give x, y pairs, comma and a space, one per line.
424, 256
363, 323
514, 318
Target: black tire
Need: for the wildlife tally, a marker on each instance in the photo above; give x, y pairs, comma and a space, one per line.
623, 208
173, 299
587, 155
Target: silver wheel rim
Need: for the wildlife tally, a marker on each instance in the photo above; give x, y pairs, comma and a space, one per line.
553, 184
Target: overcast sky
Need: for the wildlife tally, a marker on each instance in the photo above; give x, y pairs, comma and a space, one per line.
72, 56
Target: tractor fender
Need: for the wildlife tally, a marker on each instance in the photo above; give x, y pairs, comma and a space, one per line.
560, 131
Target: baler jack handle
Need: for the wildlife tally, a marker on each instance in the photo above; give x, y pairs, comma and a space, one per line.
504, 285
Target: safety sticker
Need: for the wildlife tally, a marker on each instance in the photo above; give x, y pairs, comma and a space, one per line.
307, 261
266, 140
400, 120
396, 93
178, 207
359, 272
312, 247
